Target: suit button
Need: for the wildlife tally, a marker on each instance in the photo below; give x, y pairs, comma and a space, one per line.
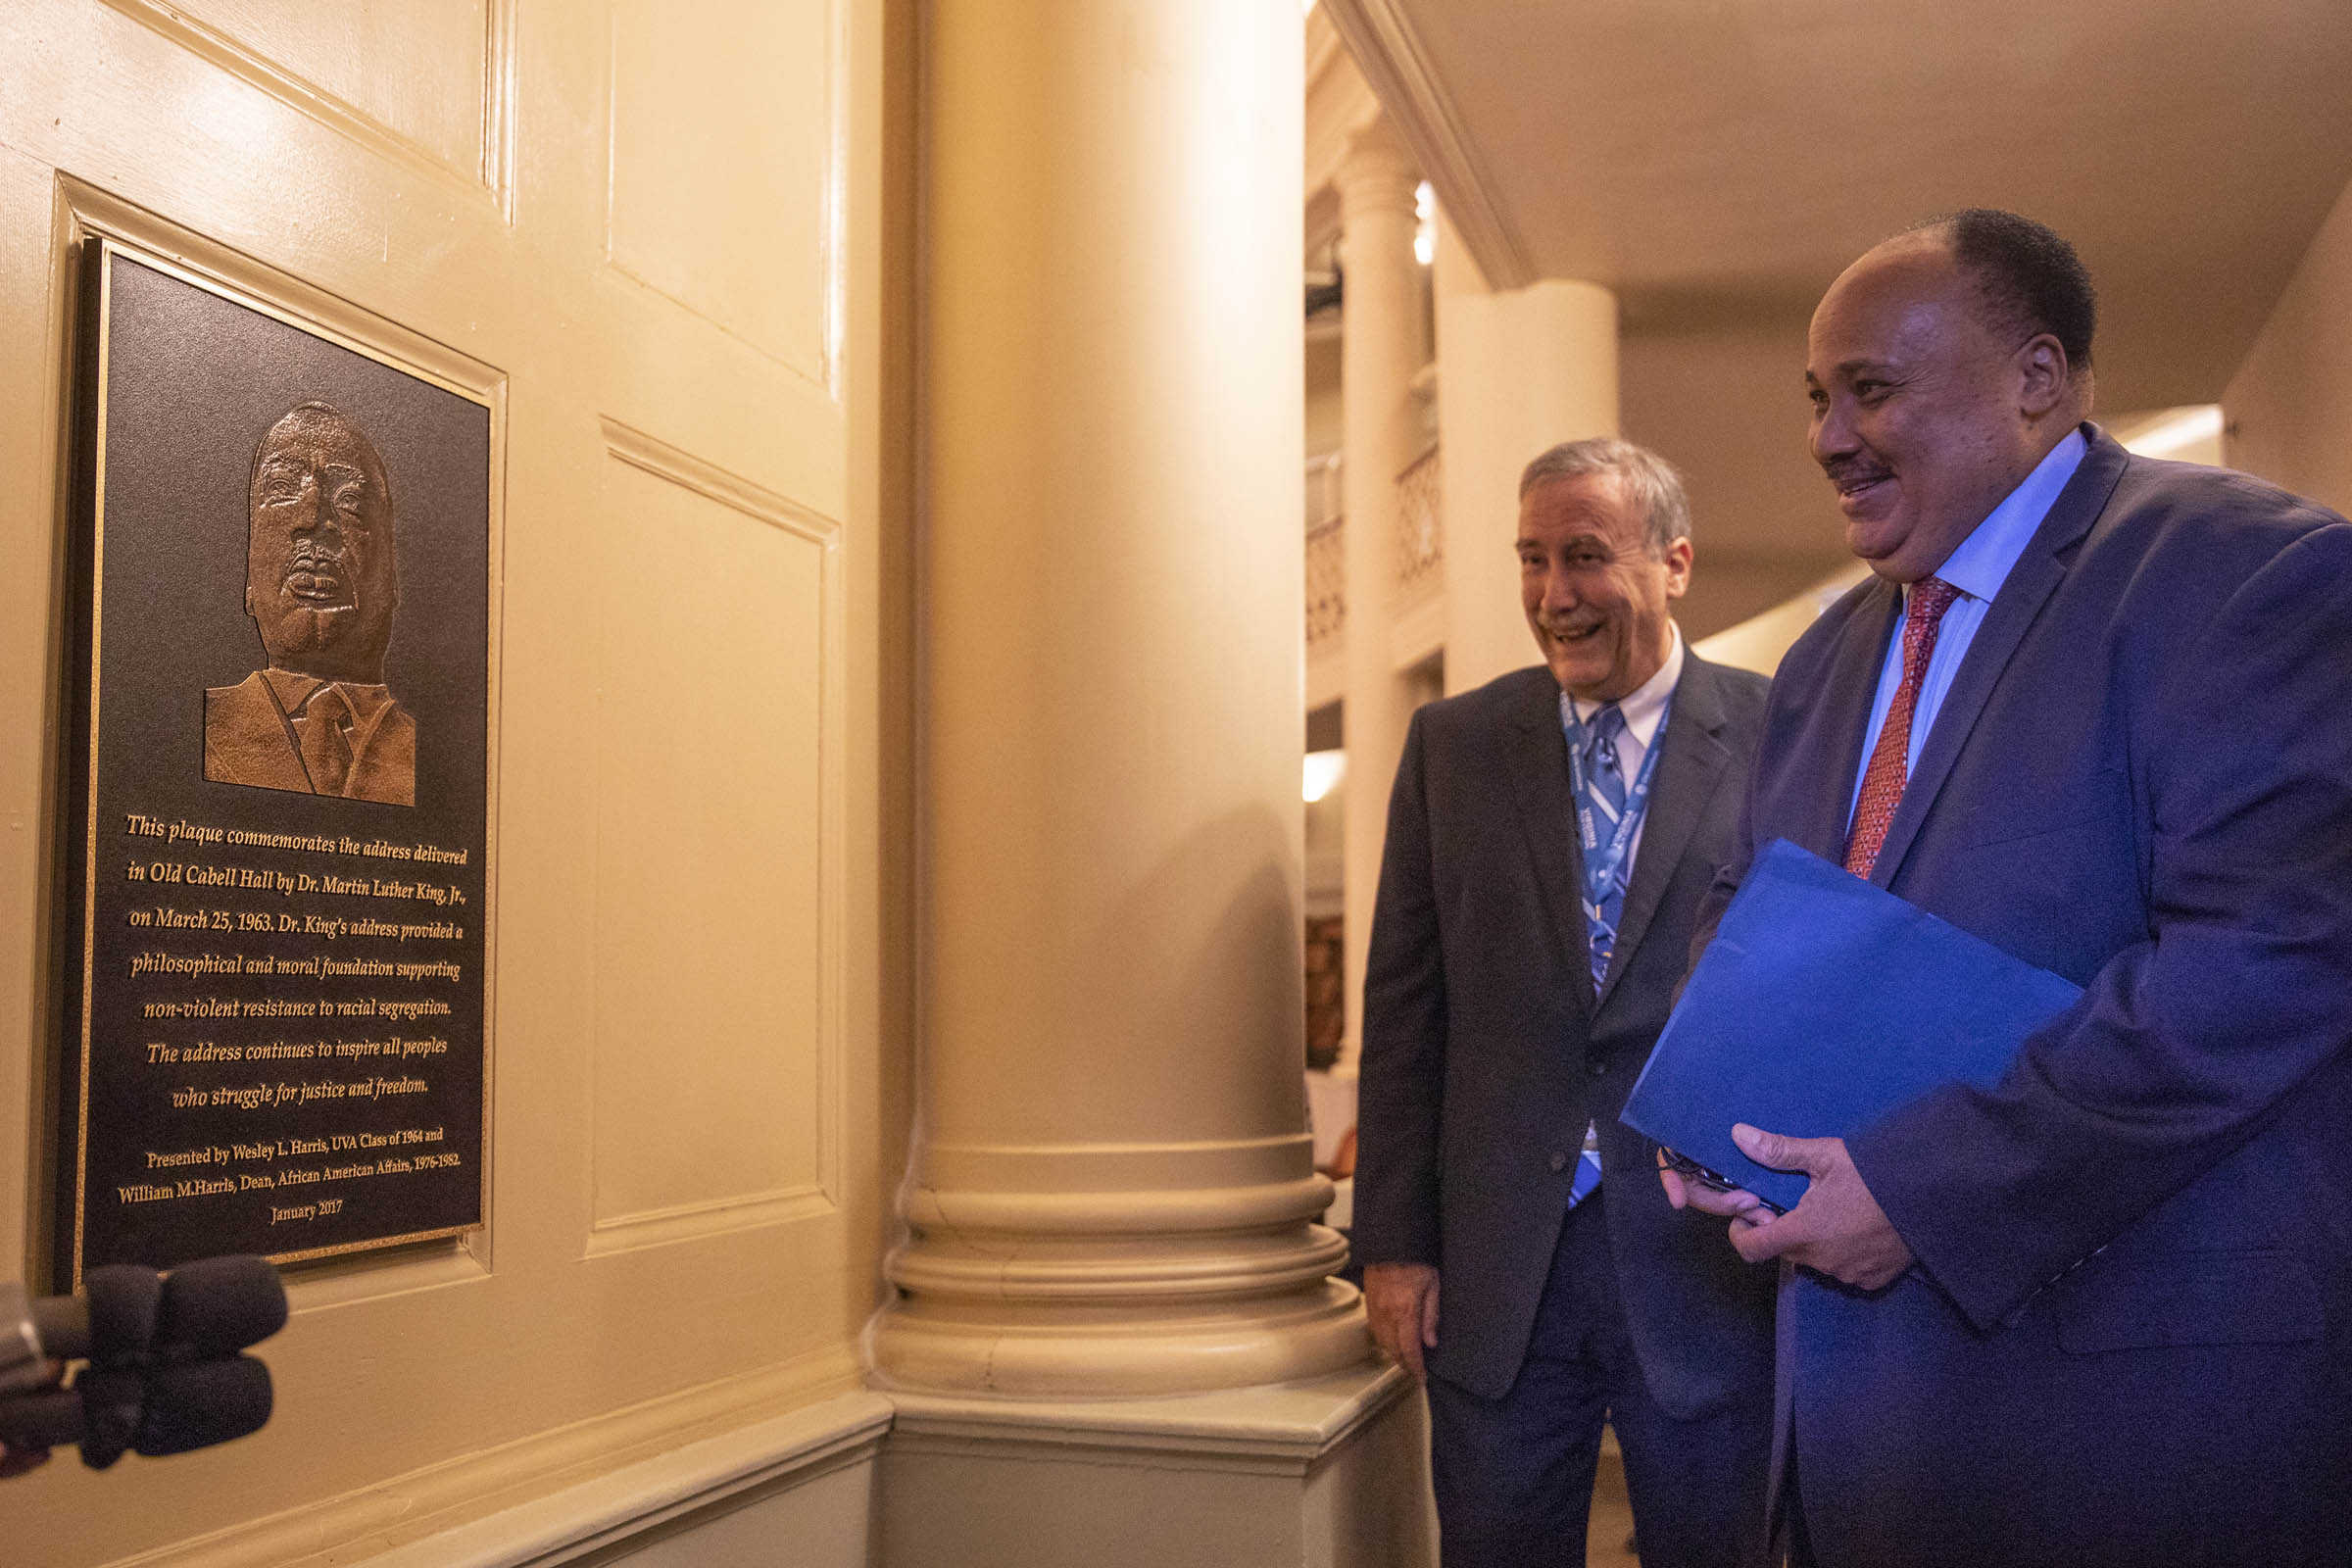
1596, 1068
1559, 1162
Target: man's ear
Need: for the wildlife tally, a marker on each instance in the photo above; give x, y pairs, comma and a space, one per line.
2043, 376
1678, 568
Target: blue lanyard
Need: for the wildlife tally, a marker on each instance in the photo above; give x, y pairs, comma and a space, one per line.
1603, 861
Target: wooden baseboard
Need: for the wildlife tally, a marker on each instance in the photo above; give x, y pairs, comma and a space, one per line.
525, 1476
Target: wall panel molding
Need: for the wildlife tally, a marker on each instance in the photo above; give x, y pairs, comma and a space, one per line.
630, 1229
493, 170
706, 479
713, 247
502, 91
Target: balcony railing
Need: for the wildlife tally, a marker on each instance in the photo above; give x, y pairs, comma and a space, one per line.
1326, 557
1419, 546
1326, 586
1420, 531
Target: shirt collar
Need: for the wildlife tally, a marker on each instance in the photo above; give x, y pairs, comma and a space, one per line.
1982, 562
1646, 704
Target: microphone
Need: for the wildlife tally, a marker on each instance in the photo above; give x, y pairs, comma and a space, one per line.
164, 1374
213, 1307
183, 1406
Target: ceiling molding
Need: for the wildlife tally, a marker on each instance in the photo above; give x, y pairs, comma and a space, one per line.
1340, 106
1391, 61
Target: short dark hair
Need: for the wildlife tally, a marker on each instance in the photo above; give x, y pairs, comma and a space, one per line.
2027, 272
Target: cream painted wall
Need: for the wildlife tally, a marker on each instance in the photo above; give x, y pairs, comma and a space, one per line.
2288, 407
1523, 369
674, 276
1721, 396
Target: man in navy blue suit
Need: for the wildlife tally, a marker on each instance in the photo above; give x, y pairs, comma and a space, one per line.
2096, 709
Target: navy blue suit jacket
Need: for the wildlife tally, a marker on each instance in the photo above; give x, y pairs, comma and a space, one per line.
2129, 1336
1486, 1049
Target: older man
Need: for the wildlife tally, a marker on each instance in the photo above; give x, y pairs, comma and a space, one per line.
2091, 709
1550, 839
321, 581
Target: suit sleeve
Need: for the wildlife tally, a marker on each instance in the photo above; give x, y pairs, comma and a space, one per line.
1720, 893
1728, 876
2184, 1044
1402, 1079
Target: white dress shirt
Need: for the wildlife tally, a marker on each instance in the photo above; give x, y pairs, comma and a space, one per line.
1644, 709
1977, 568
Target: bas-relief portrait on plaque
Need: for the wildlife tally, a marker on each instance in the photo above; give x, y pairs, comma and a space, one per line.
323, 579
272, 884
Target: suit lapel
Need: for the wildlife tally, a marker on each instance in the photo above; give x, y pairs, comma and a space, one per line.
1539, 767
2027, 587
1693, 760
1848, 688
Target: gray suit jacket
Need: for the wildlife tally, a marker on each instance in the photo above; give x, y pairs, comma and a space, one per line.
1486, 1049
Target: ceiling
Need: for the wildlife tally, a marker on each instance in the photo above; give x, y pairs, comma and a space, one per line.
1718, 159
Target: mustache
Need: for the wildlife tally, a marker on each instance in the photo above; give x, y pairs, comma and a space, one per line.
1848, 472
310, 555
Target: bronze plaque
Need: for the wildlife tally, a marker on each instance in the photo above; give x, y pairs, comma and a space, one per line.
273, 879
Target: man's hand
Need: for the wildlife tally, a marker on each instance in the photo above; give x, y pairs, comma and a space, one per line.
1838, 1229
1735, 1203
1402, 1301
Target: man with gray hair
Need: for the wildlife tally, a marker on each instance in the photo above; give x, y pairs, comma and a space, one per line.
1550, 839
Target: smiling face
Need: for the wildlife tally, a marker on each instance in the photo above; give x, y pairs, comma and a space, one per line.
1595, 595
321, 578
1928, 406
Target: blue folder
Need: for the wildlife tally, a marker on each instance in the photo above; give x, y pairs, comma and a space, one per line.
1824, 1003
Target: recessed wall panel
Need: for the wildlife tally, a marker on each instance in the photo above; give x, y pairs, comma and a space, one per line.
418, 70
721, 164
710, 928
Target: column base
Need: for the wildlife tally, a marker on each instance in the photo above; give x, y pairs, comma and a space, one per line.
1323, 1472
1111, 1271
1078, 1351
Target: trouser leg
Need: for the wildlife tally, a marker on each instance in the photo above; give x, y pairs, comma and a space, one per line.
1696, 1485
1515, 1475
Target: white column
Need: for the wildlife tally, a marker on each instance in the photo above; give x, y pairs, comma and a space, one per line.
1517, 373
1112, 1190
1380, 349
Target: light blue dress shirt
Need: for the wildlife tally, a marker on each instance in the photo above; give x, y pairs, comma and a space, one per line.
1977, 569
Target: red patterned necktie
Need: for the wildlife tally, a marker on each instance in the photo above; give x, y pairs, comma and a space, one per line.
1890, 761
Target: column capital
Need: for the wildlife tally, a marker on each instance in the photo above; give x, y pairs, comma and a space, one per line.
1376, 172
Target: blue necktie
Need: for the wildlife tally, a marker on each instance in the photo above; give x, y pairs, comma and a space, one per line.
1603, 796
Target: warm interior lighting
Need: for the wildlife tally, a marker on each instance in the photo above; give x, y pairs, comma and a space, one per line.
1424, 226
2181, 434
1323, 770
